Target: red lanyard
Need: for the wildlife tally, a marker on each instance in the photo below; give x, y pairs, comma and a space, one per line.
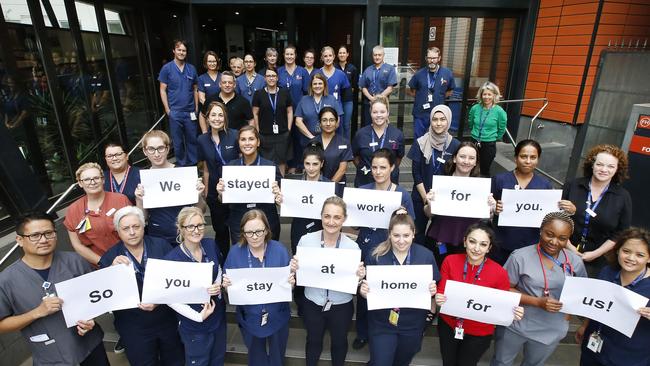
564, 265
122, 185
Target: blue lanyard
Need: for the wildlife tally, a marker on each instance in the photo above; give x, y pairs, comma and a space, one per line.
216, 147
138, 267
633, 283
566, 266
204, 256
407, 260
322, 240
375, 77
381, 142
250, 259
274, 102
436, 163
585, 229
119, 188
318, 106
483, 119
289, 78
430, 84
259, 159
478, 272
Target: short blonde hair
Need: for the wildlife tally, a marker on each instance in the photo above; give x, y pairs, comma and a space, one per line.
87, 166
380, 99
156, 133
488, 85
186, 214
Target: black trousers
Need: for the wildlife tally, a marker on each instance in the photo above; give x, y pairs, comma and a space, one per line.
457, 352
97, 357
337, 321
487, 152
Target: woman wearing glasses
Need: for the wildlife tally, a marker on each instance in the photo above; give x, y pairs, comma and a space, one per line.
202, 327
264, 327
208, 84
161, 220
89, 219
250, 81
120, 176
309, 58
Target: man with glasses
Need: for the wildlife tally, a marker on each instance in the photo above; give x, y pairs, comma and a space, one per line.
180, 98
120, 177
430, 86
240, 112
28, 301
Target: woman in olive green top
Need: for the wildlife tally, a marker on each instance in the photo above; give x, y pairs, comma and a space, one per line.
487, 122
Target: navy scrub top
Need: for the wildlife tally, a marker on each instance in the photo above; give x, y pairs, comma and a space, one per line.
366, 142
128, 186
297, 83
180, 86
216, 156
423, 172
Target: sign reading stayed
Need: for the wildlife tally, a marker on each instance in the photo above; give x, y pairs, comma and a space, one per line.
248, 184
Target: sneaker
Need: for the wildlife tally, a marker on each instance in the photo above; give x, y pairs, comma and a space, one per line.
359, 343
119, 347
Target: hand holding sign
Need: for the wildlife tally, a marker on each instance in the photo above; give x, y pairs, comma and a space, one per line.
390, 287
327, 268
479, 303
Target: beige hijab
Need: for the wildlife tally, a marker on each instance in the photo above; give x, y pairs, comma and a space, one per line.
430, 141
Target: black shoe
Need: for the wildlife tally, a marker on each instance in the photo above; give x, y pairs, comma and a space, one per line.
119, 347
359, 343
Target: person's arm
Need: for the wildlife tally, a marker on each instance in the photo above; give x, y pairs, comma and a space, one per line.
81, 249
289, 117
601, 250
387, 91
188, 312
163, 97
356, 161
196, 99
203, 123
202, 97
502, 120
300, 124
580, 332
48, 306
545, 302
206, 178
340, 172
256, 117
367, 94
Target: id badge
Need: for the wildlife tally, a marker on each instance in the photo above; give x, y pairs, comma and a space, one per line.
426, 106
265, 318
429, 98
459, 333
276, 128
111, 211
327, 306
193, 116
595, 343
440, 160
393, 317
442, 248
590, 212
365, 170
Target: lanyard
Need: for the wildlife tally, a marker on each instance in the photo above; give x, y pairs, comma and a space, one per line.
567, 268
186, 251
318, 106
585, 229
216, 147
482, 124
138, 267
407, 260
250, 259
274, 102
119, 188
322, 240
375, 77
381, 141
289, 78
258, 161
633, 283
432, 84
436, 163
460, 321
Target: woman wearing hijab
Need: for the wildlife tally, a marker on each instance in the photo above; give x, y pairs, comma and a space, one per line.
429, 156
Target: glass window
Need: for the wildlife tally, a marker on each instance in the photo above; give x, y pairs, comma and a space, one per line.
17, 11
88, 20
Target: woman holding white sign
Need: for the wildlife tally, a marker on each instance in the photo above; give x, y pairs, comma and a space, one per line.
248, 139
602, 345
217, 147
328, 310
396, 334
202, 327
527, 154
429, 155
464, 341
264, 327
368, 238
161, 221
538, 272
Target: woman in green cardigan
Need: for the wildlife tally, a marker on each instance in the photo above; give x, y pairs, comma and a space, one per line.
487, 123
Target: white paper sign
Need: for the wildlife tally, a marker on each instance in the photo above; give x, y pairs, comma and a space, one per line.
171, 282
98, 292
461, 196
248, 184
370, 207
391, 56
603, 301
303, 198
527, 207
399, 286
169, 187
254, 286
328, 268
479, 303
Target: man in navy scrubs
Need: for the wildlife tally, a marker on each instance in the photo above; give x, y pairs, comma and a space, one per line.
377, 79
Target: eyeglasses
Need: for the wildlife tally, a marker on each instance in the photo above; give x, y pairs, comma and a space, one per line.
328, 120
114, 156
152, 150
91, 180
36, 237
254, 234
191, 228
271, 76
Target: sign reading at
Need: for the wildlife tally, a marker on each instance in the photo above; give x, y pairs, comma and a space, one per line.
328, 268
304, 198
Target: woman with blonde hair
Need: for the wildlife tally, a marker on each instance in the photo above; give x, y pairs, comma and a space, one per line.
487, 123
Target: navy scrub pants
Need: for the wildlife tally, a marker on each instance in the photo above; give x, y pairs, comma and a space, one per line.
183, 133
394, 349
205, 348
151, 347
276, 344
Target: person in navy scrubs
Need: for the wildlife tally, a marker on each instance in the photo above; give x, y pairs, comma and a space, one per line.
161, 220
149, 332
309, 58
337, 81
121, 177
377, 80
338, 151
264, 327
208, 85
250, 81
217, 147
395, 340
429, 155
383, 163
376, 136
202, 326
430, 86
179, 96
348, 96
249, 143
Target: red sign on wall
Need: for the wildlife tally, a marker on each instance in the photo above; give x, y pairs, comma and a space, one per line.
640, 144
643, 121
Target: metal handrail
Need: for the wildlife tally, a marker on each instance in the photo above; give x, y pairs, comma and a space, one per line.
149, 130
67, 192
542, 172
